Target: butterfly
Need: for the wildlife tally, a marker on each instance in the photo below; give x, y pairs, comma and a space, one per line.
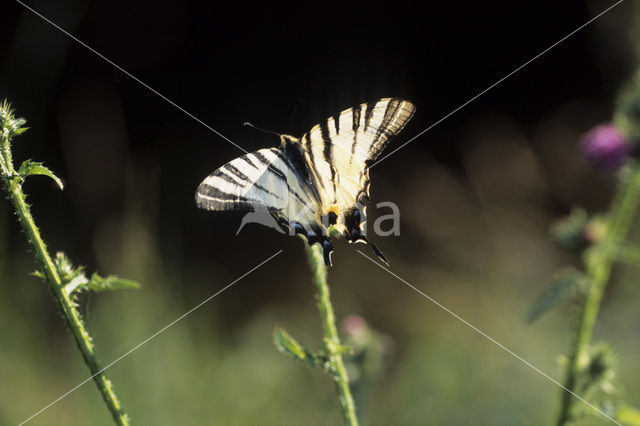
316, 185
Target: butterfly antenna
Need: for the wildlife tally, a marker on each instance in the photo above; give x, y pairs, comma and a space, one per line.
246, 123
293, 114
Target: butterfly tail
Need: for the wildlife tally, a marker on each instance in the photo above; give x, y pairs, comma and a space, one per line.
376, 250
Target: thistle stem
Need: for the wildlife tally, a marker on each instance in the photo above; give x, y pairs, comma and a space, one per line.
13, 185
599, 262
331, 340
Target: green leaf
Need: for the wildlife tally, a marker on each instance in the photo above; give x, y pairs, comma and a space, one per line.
77, 283
11, 126
628, 254
599, 372
111, 282
29, 167
290, 346
20, 130
74, 278
345, 349
569, 232
563, 285
628, 415
64, 266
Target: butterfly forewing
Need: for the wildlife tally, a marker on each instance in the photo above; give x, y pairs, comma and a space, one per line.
261, 179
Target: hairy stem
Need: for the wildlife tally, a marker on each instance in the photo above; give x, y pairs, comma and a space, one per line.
331, 341
598, 263
71, 314
12, 183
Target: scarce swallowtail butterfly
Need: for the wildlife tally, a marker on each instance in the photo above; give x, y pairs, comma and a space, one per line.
316, 183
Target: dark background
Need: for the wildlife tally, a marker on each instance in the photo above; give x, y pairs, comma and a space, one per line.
476, 195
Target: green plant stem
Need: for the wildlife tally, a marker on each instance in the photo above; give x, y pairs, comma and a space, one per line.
598, 262
68, 308
331, 341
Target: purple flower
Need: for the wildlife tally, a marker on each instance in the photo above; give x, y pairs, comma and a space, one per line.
605, 148
354, 325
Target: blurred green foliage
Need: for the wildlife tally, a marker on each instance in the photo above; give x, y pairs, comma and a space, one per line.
215, 368
474, 236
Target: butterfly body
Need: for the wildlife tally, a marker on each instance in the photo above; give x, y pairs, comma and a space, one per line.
316, 183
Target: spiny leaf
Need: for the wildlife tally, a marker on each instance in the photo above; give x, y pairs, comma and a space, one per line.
64, 265
11, 126
600, 372
74, 278
20, 130
111, 282
29, 167
563, 285
78, 282
569, 232
288, 345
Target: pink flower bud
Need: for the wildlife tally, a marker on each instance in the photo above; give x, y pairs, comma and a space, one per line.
605, 148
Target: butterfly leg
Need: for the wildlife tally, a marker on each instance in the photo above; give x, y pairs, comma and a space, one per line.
327, 249
316, 236
353, 232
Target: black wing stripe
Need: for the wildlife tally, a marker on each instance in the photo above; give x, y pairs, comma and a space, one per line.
236, 172
225, 177
279, 173
263, 160
292, 171
295, 194
276, 171
281, 156
215, 204
368, 113
355, 117
210, 191
265, 190
389, 114
328, 154
292, 191
247, 159
296, 158
306, 142
213, 193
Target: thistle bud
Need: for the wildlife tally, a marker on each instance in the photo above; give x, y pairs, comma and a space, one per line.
354, 325
569, 232
605, 148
